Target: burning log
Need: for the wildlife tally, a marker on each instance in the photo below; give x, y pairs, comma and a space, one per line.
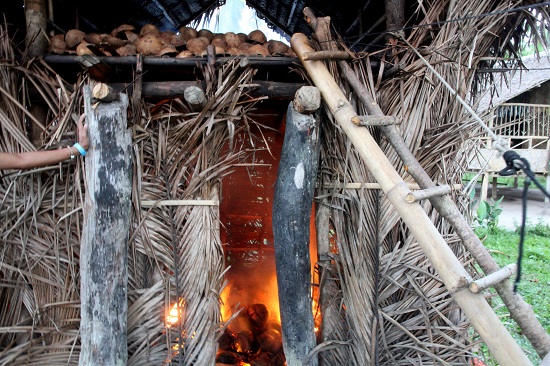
251, 338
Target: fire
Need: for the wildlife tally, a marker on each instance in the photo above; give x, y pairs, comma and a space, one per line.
175, 313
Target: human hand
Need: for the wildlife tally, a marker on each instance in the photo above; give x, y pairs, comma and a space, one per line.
83, 139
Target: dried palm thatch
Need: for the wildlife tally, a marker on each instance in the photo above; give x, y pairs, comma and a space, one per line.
175, 253
406, 312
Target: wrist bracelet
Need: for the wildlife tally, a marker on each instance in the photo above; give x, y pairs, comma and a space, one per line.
71, 150
80, 149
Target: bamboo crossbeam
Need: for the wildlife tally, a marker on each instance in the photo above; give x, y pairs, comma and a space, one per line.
356, 185
492, 279
326, 55
427, 193
151, 203
375, 120
452, 273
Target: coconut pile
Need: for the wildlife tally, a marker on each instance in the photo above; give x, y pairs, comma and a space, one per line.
150, 41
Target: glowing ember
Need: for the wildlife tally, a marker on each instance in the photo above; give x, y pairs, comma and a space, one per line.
175, 313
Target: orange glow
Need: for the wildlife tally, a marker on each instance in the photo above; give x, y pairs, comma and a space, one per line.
175, 313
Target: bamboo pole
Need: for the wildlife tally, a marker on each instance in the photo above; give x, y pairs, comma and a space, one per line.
454, 276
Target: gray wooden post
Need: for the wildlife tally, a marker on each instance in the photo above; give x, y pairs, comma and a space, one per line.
35, 19
103, 253
291, 216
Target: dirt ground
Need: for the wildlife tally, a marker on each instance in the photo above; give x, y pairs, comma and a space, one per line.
511, 207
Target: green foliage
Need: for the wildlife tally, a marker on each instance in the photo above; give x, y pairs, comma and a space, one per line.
487, 215
535, 281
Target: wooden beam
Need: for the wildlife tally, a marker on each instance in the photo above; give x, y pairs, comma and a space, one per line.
171, 89
450, 270
291, 221
35, 19
104, 248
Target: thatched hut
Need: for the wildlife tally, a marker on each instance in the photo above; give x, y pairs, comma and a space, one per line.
159, 247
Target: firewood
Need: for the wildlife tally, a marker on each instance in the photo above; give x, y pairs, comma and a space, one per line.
104, 93
307, 100
244, 343
195, 97
227, 341
228, 358
258, 314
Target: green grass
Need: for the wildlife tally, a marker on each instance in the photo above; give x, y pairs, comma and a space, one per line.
535, 280
505, 181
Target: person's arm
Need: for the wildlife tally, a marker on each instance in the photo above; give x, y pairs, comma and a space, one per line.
35, 159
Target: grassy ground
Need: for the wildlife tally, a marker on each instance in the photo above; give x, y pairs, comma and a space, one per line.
505, 181
535, 280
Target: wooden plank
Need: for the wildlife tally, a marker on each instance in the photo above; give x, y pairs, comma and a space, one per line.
291, 230
104, 253
450, 270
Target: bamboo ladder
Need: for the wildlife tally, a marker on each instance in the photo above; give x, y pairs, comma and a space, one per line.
452, 273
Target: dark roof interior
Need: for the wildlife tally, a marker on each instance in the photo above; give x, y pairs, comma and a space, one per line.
285, 16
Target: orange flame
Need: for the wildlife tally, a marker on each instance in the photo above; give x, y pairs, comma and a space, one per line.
175, 313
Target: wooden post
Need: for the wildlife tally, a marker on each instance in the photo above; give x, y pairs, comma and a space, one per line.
291, 218
195, 97
104, 253
35, 19
452, 273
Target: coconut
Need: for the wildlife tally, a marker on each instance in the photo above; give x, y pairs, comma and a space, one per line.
83, 49
74, 37
128, 50
149, 29
234, 51
177, 40
93, 38
149, 45
130, 36
168, 50
114, 41
219, 42
257, 49
205, 33
276, 47
188, 33
119, 31
197, 45
184, 54
243, 47
58, 44
232, 40
243, 37
166, 37
257, 36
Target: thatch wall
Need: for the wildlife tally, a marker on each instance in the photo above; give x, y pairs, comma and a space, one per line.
387, 304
